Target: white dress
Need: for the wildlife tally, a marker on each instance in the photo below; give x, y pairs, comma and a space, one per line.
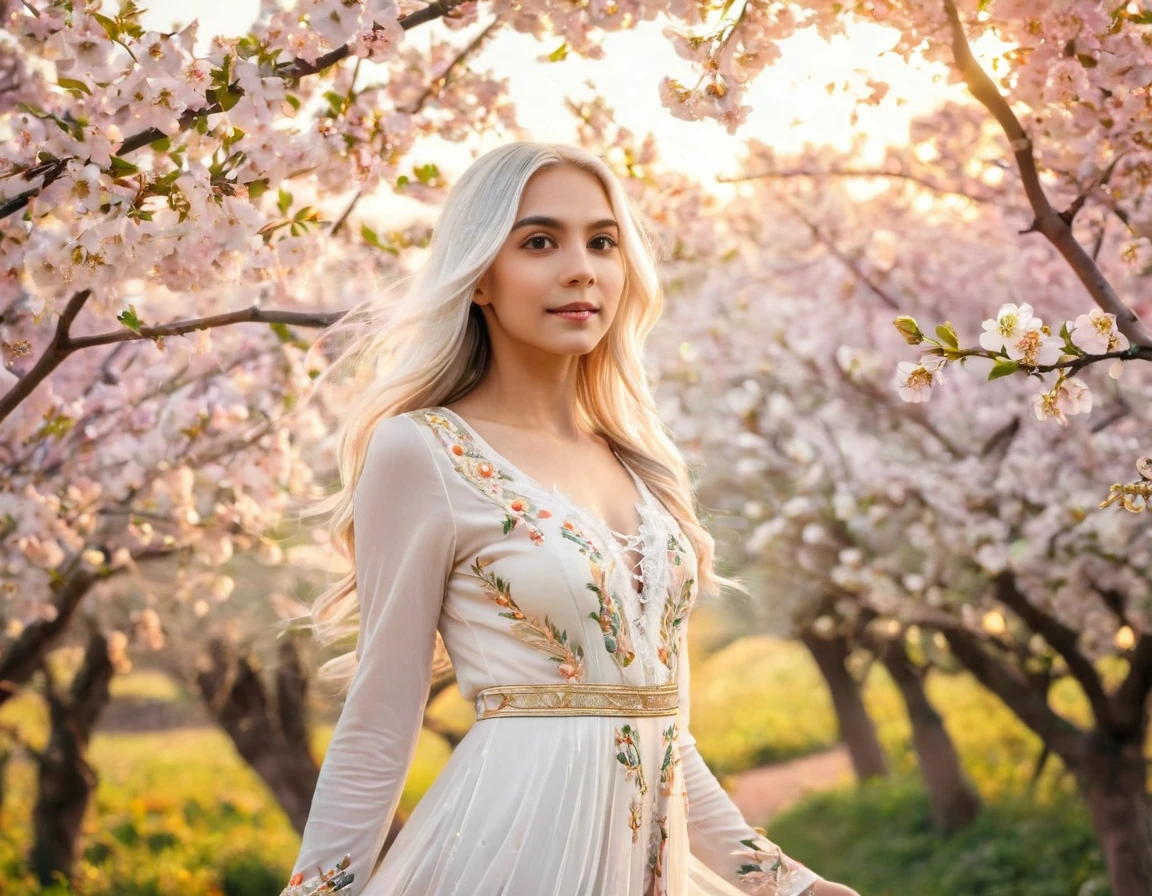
525, 587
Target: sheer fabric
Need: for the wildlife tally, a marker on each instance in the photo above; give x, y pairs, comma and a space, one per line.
525, 587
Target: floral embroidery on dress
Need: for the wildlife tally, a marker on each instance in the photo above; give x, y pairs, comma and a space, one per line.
670, 759
486, 477
547, 637
765, 864
677, 604
338, 878
628, 755
636, 817
657, 849
611, 615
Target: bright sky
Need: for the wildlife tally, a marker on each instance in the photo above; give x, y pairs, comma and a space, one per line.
790, 101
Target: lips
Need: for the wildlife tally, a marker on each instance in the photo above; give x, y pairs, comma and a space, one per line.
574, 306
576, 311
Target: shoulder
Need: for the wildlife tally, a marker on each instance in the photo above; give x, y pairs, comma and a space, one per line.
397, 441
401, 456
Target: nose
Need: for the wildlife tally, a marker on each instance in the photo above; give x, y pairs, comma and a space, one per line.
578, 270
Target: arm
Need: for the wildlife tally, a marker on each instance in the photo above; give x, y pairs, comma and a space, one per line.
404, 541
718, 834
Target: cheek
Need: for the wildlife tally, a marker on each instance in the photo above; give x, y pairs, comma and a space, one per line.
514, 281
611, 278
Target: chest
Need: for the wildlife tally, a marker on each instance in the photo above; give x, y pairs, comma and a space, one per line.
589, 476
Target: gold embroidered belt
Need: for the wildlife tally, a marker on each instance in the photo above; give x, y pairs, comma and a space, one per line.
577, 700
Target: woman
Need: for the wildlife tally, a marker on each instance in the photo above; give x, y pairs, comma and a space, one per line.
507, 482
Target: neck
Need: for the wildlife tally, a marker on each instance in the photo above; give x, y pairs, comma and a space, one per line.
534, 394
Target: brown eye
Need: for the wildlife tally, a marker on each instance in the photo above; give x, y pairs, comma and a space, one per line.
611, 243
536, 242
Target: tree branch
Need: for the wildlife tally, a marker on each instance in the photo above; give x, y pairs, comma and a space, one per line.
1047, 220
852, 264
63, 345
52, 358
1064, 738
25, 654
434, 87
291, 72
869, 173
1063, 641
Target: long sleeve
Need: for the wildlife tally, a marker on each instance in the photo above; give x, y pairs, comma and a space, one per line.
404, 541
718, 835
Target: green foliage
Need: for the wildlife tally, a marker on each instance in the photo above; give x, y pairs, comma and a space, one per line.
879, 840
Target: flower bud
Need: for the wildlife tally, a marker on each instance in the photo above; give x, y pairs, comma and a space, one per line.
909, 329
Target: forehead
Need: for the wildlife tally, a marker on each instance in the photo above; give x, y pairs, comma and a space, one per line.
566, 193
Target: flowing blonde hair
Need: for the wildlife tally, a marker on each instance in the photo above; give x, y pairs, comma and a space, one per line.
432, 349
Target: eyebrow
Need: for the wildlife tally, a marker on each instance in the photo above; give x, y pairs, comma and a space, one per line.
555, 223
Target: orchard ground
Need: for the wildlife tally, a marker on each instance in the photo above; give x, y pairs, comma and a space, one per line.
176, 811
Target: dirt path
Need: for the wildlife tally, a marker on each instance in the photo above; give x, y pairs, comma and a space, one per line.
761, 793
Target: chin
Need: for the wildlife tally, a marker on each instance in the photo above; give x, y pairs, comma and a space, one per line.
576, 347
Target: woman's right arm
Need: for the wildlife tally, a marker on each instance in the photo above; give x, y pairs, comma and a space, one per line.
405, 540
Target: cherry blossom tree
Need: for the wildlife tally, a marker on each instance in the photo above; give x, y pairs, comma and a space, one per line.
967, 518
125, 194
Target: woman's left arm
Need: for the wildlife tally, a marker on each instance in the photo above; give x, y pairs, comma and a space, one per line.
717, 832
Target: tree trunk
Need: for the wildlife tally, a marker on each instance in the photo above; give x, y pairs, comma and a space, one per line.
269, 731
1113, 783
954, 800
856, 728
65, 779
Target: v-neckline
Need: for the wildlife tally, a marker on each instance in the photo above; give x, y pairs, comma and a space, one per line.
637, 542
640, 506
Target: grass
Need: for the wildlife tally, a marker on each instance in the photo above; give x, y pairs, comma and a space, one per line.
878, 839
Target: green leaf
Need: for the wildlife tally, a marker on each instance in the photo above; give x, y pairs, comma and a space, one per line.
559, 54
109, 25
402, 181
285, 201
426, 173
162, 145
32, 110
282, 332
337, 102
121, 167
74, 85
257, 188
292, 100
373, 239
228, 98
1003, 367
947, 334
129, 319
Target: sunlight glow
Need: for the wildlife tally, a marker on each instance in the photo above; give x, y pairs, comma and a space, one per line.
819, 93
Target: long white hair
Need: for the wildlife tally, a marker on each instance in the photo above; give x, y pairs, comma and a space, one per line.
432, 348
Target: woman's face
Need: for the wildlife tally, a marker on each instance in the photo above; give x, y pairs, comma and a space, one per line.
557, 281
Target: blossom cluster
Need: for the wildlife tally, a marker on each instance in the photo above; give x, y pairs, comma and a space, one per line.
1017, 340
